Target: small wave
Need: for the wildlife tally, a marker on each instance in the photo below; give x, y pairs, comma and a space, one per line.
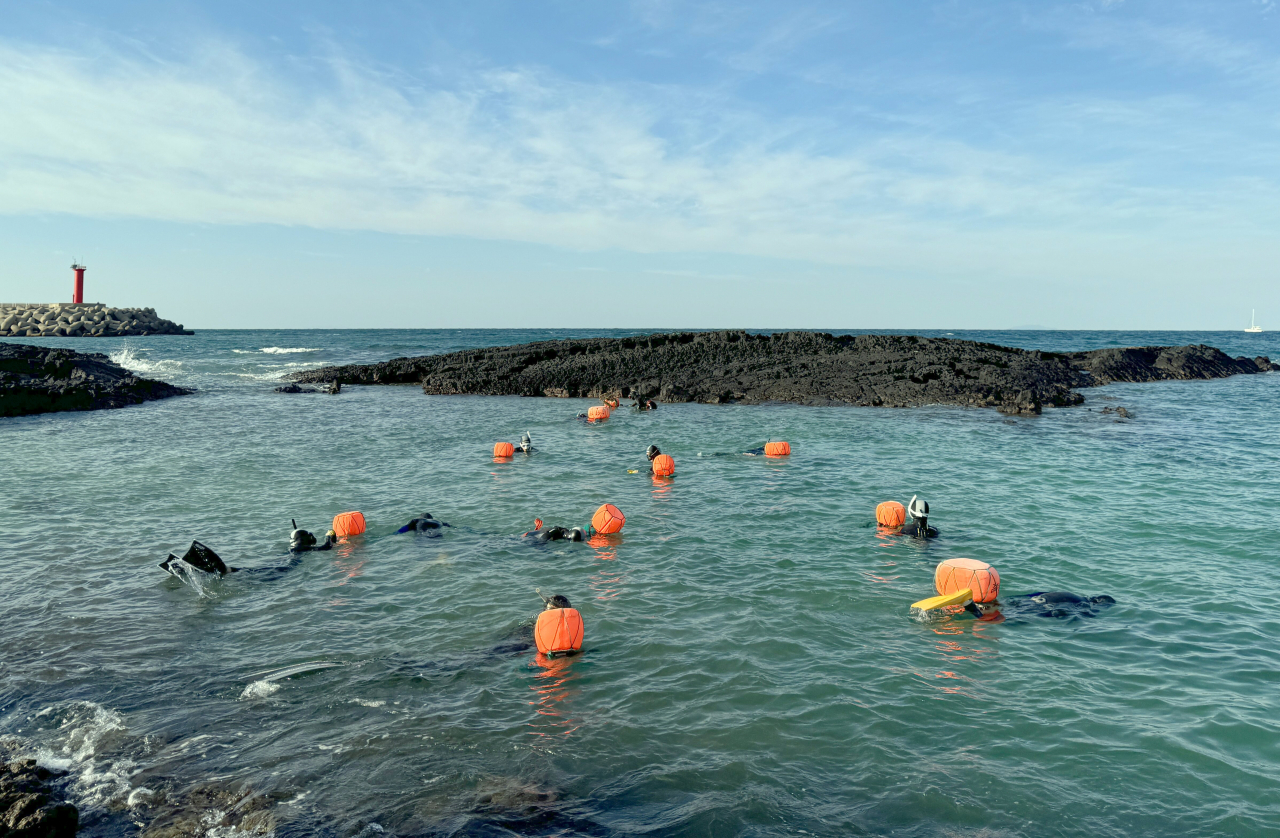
364, 702
86, 731
287, 350
127, 357
259, 689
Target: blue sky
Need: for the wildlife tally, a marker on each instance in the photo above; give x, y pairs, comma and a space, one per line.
647, 164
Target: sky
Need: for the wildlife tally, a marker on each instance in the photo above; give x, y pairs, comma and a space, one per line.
652, 164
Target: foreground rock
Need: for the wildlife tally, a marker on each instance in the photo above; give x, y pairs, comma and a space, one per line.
30, 806
83, 320
34, 379
803, 367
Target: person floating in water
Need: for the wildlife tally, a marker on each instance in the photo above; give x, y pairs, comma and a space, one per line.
1059, 605
301, 541
426, 523
526, 444
917, 526
645, 404
204, 559
559, 629
543, 534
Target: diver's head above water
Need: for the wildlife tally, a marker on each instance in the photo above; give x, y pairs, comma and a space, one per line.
300, 539
526, 442
652, 451
918, 509
553, 601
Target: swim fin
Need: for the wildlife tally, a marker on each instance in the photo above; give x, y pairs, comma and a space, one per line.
958, 598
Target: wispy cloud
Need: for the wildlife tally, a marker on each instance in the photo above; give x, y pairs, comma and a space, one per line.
519, 154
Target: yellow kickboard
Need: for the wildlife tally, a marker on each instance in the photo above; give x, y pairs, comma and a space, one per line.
958, 598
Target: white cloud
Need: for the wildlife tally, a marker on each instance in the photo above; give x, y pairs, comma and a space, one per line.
516, 154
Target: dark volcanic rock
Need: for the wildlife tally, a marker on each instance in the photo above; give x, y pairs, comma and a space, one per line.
35, 379
29, 804
803, 367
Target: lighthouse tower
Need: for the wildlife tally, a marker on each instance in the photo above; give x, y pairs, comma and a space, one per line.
77, 292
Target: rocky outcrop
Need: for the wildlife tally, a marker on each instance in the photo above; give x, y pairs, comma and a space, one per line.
803, 367
83, 320
30, 806
35, 379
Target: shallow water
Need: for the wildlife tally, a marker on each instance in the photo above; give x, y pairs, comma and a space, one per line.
751, 665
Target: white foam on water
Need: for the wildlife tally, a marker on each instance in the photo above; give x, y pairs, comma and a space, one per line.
284, 350
204, 584
259, 689
363, 702
87, 732
127, 357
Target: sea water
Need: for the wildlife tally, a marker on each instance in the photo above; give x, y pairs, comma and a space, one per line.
751, 666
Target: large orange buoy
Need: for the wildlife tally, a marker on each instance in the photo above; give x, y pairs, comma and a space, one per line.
777, 449
891, 514
558, 630
957, 574
503, 449
597, 412
347, 523
608, 519
663, 465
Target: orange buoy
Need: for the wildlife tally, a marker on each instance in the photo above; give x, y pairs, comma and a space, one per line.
777, 449
597, 412
891, 514
957, 574
608, 519
347, 523
558, 630
503, 449
663, 465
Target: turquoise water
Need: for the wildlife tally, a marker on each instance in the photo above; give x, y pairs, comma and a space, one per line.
751, 665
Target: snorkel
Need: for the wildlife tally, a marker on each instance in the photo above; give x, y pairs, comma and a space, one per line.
919, 511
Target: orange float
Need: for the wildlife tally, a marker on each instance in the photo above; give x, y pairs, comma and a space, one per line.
957, 574
503, 449
559, 630
608, 519
347, 523
891, 514
664, 466
777, 449
597, 413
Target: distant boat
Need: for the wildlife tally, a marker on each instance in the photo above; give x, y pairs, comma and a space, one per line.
1253, 327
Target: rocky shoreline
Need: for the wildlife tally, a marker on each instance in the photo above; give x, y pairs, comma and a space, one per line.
36, 379
83, 320
31, 805
802, 367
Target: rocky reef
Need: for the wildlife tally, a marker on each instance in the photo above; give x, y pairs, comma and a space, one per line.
36, 379
30, 804
82, 320
803, 367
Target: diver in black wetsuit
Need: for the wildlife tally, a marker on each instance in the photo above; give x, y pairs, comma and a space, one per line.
543, 534
425, 524
1059, 605
301, 541
917, 525
526, 444
645, 404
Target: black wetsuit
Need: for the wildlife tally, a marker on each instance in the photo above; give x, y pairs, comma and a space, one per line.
557, 534
425, 524
1059, 605
918, 528
306, 542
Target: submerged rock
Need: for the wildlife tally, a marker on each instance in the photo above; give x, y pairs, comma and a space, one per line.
803, 367
35, 379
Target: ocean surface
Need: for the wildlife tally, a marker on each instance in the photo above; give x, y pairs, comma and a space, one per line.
751, 665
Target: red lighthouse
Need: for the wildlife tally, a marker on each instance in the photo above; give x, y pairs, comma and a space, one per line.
77, 293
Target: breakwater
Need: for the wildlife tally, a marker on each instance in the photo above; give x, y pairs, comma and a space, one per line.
87, 320
803, 367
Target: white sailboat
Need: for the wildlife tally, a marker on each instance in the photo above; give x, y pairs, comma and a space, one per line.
1253, 327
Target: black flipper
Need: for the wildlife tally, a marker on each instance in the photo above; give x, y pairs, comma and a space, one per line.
202, 558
